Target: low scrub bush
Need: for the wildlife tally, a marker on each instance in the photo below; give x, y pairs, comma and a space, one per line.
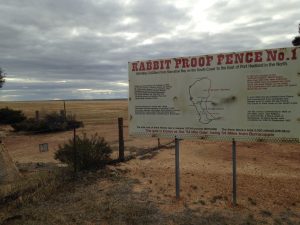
91, 153
52, 122
10, 116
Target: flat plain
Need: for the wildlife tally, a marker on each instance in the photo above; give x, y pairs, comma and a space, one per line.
268, 174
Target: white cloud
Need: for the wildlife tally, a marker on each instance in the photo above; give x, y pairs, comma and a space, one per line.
23, 80
122, 84
128, 21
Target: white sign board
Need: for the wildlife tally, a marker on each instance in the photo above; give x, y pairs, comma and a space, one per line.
248, 96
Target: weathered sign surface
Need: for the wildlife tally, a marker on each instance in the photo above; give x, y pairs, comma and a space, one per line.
248, 96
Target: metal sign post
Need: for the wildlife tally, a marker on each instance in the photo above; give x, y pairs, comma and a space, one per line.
177, 168
234, 172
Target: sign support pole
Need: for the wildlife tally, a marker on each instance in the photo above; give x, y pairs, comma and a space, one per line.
234, 172
177, 168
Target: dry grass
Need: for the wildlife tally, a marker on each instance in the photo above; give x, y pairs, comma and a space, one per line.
32, 187
90, 112
103, 197
107, 197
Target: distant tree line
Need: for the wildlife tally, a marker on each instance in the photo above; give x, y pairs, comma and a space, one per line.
10, 116
53, 122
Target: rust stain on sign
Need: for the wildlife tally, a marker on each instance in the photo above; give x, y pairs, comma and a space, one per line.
226, 100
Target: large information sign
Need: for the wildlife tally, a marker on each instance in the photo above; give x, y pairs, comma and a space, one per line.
248, 96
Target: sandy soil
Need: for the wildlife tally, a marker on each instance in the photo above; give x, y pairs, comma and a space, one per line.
268, 174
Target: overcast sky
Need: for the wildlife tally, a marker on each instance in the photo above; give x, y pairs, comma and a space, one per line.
79, 49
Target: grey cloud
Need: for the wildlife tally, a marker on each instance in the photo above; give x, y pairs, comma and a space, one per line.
156, 17
227, 11
87, 43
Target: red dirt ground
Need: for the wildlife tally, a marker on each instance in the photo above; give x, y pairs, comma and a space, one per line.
268, 175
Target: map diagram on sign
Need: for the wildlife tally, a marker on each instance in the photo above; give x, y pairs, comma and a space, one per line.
199, 93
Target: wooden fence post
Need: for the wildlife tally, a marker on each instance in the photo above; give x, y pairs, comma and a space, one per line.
158, 143
74, 151
121, 140
37, 115
65, 110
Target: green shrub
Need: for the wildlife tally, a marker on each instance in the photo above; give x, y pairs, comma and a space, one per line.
91, 153
52, 122
10, 116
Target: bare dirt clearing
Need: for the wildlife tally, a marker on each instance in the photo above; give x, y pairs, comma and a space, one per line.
268, 174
